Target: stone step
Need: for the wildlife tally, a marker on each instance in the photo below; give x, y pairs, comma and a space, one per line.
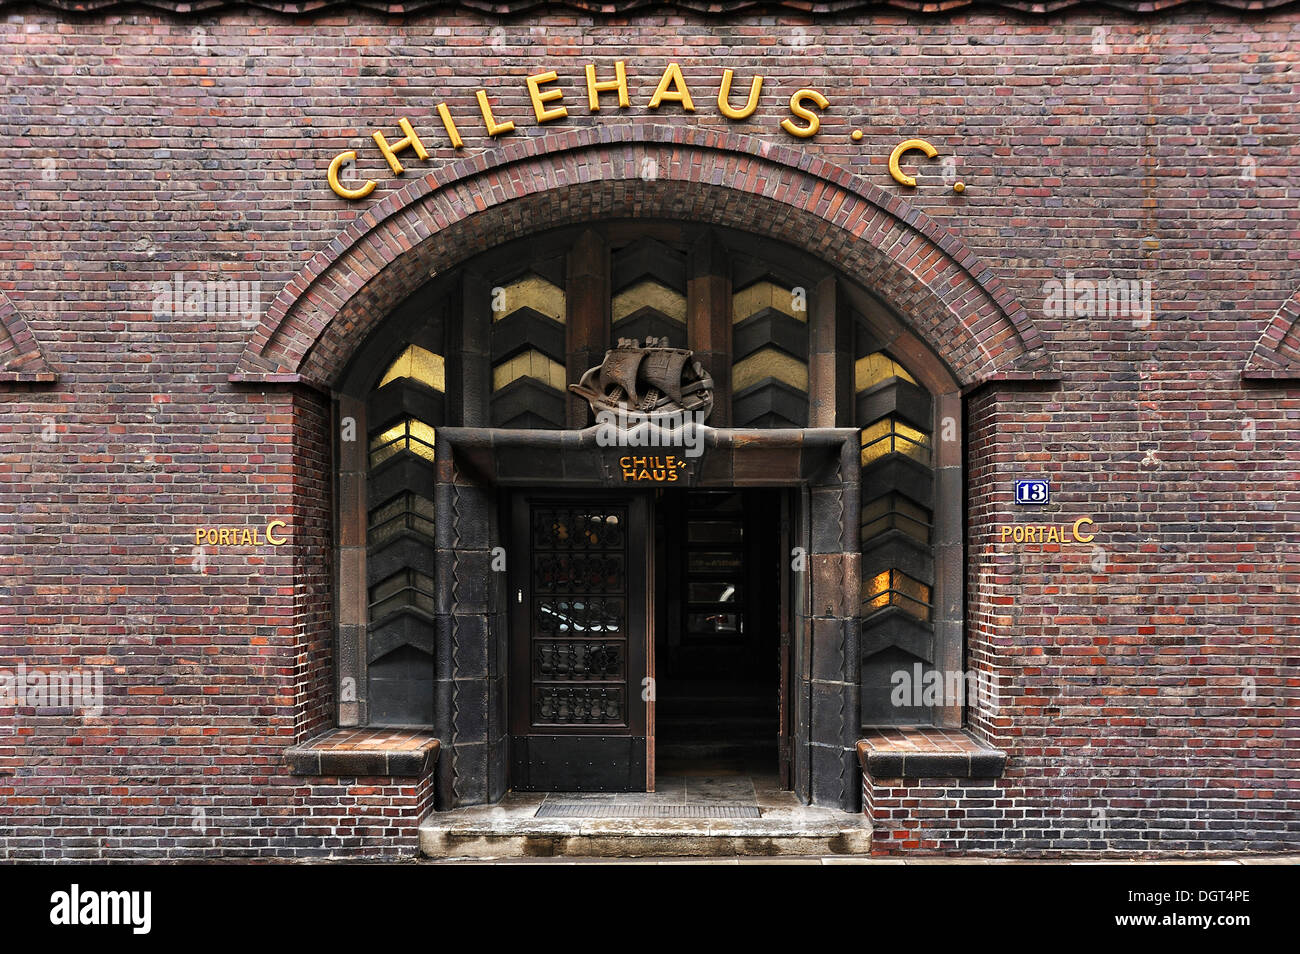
511, 830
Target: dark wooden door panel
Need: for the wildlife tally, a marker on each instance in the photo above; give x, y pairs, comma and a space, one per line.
578, 641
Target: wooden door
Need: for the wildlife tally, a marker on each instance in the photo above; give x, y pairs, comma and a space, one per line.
785, 745
580, 579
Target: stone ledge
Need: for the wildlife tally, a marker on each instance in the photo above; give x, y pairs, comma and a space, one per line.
354, 752
927, 752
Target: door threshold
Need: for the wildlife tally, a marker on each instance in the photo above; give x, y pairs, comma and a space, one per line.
615, 827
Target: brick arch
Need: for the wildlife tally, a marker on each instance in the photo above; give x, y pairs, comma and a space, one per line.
936, 285
21, 359
1276, 356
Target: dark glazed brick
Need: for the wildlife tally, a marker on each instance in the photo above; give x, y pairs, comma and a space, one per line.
987, 765
884, 765
936, 766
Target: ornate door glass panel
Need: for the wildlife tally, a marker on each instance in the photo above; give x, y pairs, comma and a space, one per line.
578, 636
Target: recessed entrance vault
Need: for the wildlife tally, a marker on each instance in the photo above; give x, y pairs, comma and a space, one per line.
459, 397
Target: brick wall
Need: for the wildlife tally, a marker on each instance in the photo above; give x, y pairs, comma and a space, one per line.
138, 147
1118, 814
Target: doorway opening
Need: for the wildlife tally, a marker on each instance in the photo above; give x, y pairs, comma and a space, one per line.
721, 660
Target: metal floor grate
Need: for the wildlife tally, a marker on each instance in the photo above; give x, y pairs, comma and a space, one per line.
606, 810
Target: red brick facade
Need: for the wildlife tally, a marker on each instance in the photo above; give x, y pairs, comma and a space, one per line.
1145, 684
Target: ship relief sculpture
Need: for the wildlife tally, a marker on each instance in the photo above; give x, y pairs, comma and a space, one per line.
654, 383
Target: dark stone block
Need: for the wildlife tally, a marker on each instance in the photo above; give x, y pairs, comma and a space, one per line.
442, 659
443, 689
349, 649
412, 764
936, 765
471, 712
444, 776
834, 785
591, 466
893, 627
353, 764
398, 474
989, 764
829, 586
499, 710
498, 768
769, 328
469, 762
882, 765
880, 692
527, 329
897, 550
410, 627
648, 258
832, 722
443, 523
406, 551
895, 472
529, 464
470, 581
352, 510
826, 512
470, 646
527, 402
756, 464
714, 467
492, 643
828, 658
401, 399
899, 398
444, 562
304, 761
646, 323
472, 517
769, 403
400, 688
819, 464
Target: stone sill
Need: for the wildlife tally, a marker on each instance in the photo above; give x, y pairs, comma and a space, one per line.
351, 752
927, 752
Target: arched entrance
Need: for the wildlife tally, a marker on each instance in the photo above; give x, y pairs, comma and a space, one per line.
827, 399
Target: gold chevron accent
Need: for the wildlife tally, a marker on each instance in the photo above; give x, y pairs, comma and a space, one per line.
875, 368
896, 588
531, 291
769, 363
530, 364
411, 435
891, 436
650, 294
419, 365
762, 295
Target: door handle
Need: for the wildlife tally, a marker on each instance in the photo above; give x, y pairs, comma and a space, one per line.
519, 596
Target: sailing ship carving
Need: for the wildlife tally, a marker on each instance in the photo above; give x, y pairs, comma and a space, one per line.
653, 382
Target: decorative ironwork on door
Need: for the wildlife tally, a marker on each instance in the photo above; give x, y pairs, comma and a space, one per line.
579, 643
579, 615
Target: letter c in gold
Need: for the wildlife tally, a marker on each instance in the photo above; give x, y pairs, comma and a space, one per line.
907, 145
339, 188
271, 538
1080, 537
